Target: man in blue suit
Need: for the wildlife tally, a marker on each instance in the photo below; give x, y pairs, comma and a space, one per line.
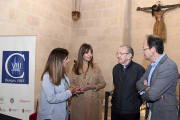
158, 84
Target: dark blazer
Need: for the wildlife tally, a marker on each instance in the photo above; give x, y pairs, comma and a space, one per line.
163, 82
125, 98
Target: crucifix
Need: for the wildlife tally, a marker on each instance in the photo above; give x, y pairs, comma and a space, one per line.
157, 12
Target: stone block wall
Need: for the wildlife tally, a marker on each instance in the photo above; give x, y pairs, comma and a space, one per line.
49, 20
105, 24
102, 26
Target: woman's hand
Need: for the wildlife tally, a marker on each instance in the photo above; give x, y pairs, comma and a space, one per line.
82, 89
75, 90
89, 87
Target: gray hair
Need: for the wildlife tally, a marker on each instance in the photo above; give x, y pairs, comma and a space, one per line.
129, 49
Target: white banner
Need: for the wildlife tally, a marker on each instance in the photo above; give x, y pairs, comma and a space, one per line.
17, 74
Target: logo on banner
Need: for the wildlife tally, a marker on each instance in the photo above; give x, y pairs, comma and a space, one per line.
1, 100
25, 101
12, 100
2, 110
27, 111
15, 68
13, 110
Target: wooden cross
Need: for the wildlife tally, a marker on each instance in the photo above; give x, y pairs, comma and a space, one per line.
165, 6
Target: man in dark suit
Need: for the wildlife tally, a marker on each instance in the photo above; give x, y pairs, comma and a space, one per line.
158, 85
125, 99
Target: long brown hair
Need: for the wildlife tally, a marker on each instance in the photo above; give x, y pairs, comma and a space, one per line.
54, 65
79, 63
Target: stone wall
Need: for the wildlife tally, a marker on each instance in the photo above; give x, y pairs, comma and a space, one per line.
101, 25
105, 24
49, 20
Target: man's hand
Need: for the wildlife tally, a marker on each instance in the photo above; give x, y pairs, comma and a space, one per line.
147, 88
162, 97
145, 82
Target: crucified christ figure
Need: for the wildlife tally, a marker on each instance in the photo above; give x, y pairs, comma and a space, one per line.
159, 26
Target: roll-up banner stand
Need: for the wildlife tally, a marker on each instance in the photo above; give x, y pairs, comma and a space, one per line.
17, 76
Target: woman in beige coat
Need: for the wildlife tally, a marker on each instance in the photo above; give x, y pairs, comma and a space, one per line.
88, 76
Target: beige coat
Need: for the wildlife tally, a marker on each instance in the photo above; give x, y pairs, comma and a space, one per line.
86, 106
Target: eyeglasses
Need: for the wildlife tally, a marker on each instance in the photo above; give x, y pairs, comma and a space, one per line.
120, 53
144, 49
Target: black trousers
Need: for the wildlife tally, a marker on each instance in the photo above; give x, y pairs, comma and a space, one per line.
115, 116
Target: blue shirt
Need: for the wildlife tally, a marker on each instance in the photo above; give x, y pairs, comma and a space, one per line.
153, 67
